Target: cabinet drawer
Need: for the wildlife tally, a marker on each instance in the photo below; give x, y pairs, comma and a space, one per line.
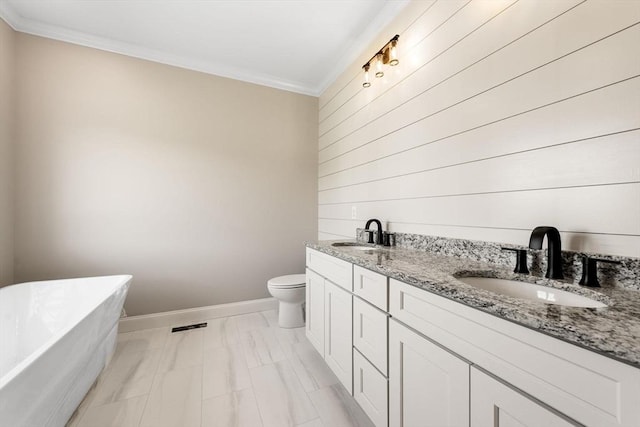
370, 332
370, 286
590, 388
370, 389
332, 268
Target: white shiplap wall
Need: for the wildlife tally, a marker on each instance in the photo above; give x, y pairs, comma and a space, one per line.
502, 115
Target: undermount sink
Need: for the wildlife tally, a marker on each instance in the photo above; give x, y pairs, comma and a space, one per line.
531, 292
354, 245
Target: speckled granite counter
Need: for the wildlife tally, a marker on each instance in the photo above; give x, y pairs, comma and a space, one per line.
613, 331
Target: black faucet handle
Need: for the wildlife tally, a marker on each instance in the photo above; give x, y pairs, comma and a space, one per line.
590, 270
388, 238
366, 230
521, 260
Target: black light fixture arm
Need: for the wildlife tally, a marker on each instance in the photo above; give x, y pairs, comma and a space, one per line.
383, 51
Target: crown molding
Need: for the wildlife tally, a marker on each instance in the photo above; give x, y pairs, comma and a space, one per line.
8, 15
28, 26
19, 23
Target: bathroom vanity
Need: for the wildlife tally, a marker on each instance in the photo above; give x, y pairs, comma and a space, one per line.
417, 347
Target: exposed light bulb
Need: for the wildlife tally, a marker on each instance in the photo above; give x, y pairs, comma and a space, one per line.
393, 54
366, 82
387, 55
379, 64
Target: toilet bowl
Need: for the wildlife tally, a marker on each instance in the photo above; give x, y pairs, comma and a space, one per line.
290, 292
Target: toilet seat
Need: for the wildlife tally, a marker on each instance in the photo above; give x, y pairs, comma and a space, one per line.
287, 287
291, 281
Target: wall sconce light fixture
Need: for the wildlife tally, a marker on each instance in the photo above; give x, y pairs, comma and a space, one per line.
387, 55
366, 82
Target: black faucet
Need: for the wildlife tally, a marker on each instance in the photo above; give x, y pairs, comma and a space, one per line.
554, 253
379, 235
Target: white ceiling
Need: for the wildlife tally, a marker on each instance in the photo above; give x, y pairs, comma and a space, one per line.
296, 45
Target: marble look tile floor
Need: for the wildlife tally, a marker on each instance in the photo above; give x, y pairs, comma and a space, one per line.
238, 371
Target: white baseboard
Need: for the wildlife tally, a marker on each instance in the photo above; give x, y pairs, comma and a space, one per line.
199, 314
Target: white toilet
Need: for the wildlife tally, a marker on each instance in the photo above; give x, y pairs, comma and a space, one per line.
290, 291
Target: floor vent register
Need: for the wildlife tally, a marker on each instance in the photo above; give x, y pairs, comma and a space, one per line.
189, 327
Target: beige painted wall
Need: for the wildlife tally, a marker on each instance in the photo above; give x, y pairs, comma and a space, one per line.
501, 116
201, 187
7, 74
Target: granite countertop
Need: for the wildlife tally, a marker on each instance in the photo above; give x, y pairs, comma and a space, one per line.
613, 331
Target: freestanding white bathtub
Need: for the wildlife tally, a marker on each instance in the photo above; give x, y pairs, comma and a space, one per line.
55, 338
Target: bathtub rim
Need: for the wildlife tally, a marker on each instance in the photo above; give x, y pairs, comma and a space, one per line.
123, 280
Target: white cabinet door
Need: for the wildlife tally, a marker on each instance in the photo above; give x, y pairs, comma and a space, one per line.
428, 386
495, 404
315, 310
370, 389
338, 341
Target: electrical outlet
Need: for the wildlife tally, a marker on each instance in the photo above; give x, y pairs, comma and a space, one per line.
354, 212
